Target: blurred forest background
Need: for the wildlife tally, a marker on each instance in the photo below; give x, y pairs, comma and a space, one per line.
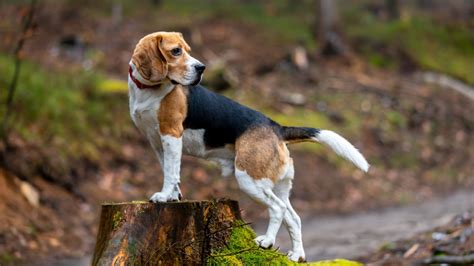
395, 77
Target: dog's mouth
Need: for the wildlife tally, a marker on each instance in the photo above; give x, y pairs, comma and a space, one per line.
197, 81
194, 83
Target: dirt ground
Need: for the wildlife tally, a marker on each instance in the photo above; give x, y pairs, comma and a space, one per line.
439, 136
452, 240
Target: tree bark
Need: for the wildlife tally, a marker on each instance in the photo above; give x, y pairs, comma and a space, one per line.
174, 233
328, 29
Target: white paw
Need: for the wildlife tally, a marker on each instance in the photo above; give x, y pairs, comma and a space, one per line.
264, 241
160, 197
297, 255
167, 195
164, 197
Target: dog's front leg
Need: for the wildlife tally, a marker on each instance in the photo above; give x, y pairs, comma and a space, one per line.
171, 164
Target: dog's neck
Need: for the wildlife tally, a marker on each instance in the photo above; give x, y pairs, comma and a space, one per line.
140, 82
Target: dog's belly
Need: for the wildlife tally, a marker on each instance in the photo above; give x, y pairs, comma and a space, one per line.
193, 144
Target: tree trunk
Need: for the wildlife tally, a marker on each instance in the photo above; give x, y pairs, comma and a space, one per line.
393, 9
328, 29
174, 233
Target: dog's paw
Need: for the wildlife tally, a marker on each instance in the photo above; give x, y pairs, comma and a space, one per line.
161, 197
264, 241
297, 255
167, 196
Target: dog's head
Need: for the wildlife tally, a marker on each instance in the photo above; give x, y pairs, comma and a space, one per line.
165, 55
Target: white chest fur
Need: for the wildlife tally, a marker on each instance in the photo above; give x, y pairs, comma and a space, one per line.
144, 105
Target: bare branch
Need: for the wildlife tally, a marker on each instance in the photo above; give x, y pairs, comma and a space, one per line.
27, 24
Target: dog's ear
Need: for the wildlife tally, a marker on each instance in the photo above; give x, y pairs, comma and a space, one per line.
149, 60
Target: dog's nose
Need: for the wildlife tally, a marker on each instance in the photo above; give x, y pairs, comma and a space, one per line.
200, 68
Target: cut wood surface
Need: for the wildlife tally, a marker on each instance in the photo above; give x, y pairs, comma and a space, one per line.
173, 233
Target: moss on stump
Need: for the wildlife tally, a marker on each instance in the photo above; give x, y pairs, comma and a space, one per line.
241, 249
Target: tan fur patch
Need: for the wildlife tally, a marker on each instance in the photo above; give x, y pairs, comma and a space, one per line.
261, 153
172, 112
179, 67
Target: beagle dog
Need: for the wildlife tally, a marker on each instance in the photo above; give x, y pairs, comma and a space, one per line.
178, 116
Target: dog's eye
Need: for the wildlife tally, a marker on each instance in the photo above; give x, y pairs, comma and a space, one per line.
176, 51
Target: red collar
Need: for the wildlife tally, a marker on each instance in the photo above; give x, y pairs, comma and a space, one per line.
139, 84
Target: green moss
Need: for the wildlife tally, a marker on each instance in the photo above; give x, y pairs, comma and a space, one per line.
140, 202
242, 250
117, 219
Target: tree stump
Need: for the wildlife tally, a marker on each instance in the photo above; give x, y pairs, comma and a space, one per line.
173, 233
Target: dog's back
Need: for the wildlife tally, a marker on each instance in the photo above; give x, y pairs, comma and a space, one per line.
223, 119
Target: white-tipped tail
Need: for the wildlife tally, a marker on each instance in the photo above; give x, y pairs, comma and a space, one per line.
343, 148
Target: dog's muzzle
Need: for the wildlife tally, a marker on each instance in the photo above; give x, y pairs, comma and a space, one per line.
199, 70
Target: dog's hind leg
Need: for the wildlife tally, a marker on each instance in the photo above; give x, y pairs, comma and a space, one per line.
261, 191
291, 220
261, 159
